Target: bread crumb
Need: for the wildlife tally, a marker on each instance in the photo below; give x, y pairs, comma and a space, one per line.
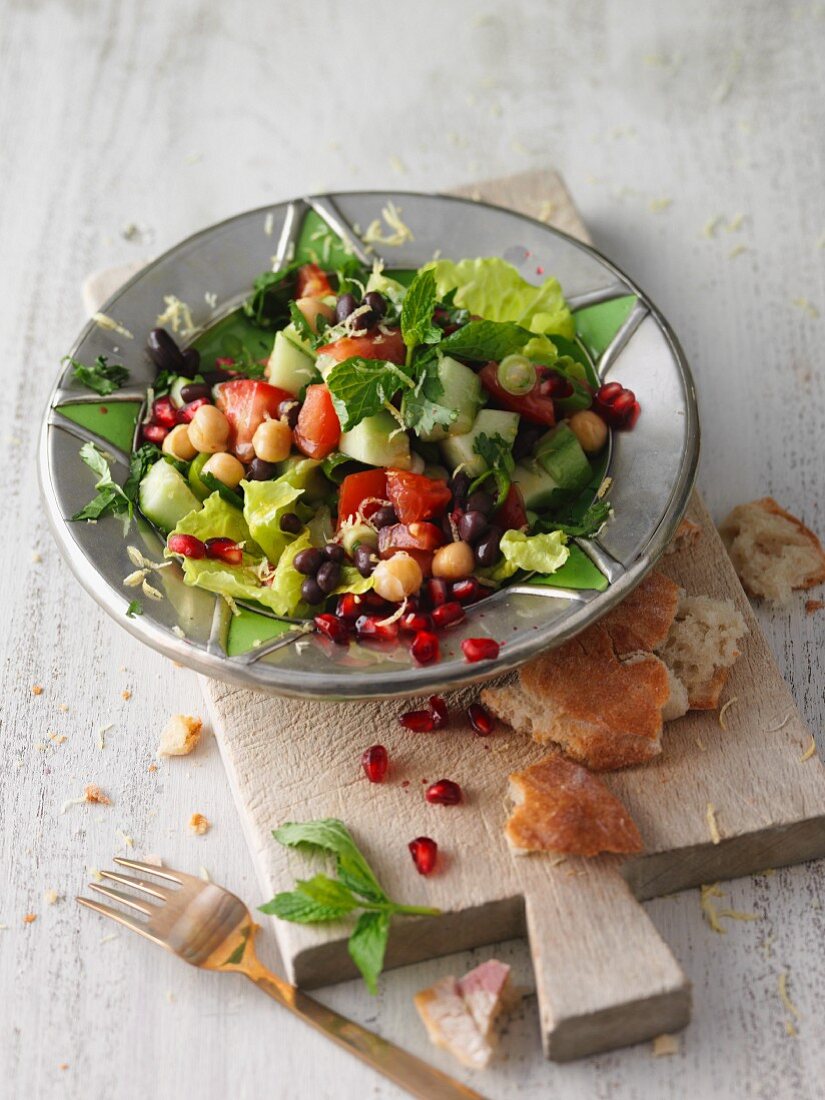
814, 605
125, 839
37, 689
52, 897
152, 767
204, 874
94, 794
155, 860
126, 694
713, 827
63, 1065
546, 210
30, 918
722, 721
664, 1045
180, 736
809, 752
64, 707
199, 824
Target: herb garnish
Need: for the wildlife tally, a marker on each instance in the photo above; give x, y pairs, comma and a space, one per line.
139, 462
135, 608
420, 408
104, 377
362, 387
483, 341
498, 454
322, 898
585, 526
110, 498
417, 326
268, 304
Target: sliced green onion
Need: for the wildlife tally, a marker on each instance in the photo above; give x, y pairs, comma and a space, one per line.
516, 374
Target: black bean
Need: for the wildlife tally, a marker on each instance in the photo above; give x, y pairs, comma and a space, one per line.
488, 549
364, 321
289, 411
290, 522
311, 591
308, 561
376, 302
334, 552
163, 351
384, 517
329, 577
363, 561
480, 501
344, 307
191, 362
217, 374
193, 390
258, 470
458, 486
472, 526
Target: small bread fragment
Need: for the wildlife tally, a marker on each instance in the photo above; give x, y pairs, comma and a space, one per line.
701, 647
772, 551
561, 807
180, 736
460, 1015
687, 535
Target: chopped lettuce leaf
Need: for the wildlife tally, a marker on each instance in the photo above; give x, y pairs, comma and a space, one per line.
217, 519
493, 289
352, 581
285, 590
536, 553
320, 526
392, 290
265, 502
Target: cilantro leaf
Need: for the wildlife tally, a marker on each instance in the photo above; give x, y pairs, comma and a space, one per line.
368, 944
420, 408
268, 304
417, 325
135, 608
497, 452
362, 387
104, 377
110, 498
485, 340
139, 462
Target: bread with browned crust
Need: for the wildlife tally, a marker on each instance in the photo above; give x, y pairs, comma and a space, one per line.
641, 622
701, 647
772, 551
561, 807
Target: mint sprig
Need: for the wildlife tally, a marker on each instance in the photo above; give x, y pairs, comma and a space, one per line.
322, 899
362, 387
417, 325
103, 377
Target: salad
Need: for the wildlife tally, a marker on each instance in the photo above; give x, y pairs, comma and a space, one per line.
383, 448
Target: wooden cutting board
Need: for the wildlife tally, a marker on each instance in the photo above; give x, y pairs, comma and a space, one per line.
604, 977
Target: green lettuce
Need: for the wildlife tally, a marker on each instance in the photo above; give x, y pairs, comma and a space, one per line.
535, 553
494, 289
265, 503
217, 519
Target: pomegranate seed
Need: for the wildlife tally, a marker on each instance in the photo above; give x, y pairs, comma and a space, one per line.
617, 406
419, 721
414, 621
154, 433
424, 647
439, 708
466, 591
448, 613
481, 720
443, 793
424, 852
371, 626
375, 762
480, 649
164, 412
224, 362
187, 546
374, 602
333, 628
188, 411
223, 549
438, 591
349, 606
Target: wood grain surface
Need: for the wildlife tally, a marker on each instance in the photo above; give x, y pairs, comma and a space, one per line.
174, 116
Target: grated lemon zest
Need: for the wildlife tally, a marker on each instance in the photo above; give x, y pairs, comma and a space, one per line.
725, 707
787, 1003
269, 223
150, 592
713, 827
109, 323
706, 894
711, 225
809, 752
399, 234
177, 314
134, 579
737, 250
782, 724
657, 206
806, 307
546, 211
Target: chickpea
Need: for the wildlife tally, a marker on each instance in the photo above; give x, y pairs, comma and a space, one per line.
397, 577
454, 562
225, 468
590, 430
209, 430
312, 308
178, 444
272, 441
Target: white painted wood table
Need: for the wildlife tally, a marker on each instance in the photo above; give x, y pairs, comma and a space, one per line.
692, 140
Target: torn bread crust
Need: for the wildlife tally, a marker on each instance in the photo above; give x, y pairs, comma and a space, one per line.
687, 535
772, 551
561, 807
702, 646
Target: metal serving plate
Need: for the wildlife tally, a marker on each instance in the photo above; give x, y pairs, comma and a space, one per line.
652, 468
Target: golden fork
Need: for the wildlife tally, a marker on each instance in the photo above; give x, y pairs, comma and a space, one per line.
206, 926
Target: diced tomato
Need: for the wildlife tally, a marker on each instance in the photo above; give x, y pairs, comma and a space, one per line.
416, 497
372, 345
318, 429
419, 540
246, 403
356, 488
533, 406
512, 515
311, 282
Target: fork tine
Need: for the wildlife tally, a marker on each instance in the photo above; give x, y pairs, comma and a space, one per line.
152, 888
125, 899
180, 877
121, 918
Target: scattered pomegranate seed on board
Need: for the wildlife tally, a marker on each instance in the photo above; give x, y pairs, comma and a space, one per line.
224, 549
375, 762
424, 852
424, 647
419, 721
443, 793
480, 649
187, 546
440, 712
333, 628
481, 720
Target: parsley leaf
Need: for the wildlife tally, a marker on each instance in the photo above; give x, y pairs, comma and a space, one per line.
420, 408
485, 340
268, 304
362, 387
368, 945
139, 462
417, 325
587, 525
135, 608
104, 377
498, 454
110, 498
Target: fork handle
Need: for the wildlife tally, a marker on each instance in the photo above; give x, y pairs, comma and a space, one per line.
405, 1069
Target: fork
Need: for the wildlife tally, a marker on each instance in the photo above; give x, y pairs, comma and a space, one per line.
206, 926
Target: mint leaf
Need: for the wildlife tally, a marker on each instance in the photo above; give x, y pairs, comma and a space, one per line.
420, 408
268, 304
485, 340
331, 835
497, 452
299, 909
589, 524
362, 387
110, 498
135, 608
104, 377
368, 945
417, 325
328, 892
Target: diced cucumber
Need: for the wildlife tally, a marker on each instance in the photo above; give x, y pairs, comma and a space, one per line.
290, 367
561, 455
164, 496
459, 450
359, 535
539, 489
462, 394
378, 441
174, 391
